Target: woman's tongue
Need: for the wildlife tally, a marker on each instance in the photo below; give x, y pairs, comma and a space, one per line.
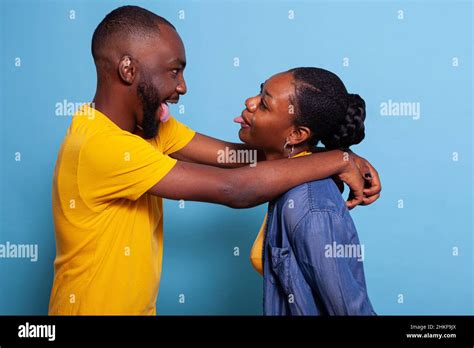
240, 120
164, 112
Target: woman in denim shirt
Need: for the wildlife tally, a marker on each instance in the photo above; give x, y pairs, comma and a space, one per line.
307, 249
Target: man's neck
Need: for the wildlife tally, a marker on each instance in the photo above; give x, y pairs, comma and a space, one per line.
115, 108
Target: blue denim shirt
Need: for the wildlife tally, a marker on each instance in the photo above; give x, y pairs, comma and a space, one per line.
312, 258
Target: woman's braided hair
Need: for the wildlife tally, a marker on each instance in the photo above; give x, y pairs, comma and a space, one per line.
321, 102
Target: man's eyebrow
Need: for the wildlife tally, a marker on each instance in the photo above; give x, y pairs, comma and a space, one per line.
178, 61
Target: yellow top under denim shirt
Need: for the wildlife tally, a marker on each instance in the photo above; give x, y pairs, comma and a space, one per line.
257, 248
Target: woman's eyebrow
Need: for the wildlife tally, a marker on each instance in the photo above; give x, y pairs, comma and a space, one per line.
266, 92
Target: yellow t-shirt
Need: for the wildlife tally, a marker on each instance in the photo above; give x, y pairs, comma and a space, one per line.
256, 253
109, 231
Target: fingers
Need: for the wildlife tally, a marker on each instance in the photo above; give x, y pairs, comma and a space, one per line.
356, 186
364, 169
371, 181
374, 185
370, 200
371, 191
371, 177
355, 198
356, 179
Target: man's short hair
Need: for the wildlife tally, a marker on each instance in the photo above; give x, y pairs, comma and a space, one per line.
126, 22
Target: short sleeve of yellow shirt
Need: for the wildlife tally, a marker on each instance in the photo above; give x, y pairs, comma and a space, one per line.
124, 165
109, 231
119, 166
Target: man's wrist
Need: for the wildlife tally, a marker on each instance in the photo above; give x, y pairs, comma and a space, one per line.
339, 158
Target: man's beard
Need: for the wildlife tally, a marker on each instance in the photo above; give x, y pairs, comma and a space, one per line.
150, 99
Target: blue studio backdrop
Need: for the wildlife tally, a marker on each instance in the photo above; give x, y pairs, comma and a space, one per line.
410, 60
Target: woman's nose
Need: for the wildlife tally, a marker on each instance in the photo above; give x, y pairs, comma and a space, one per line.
251, 104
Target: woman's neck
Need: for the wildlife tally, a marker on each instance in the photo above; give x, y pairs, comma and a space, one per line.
275, 155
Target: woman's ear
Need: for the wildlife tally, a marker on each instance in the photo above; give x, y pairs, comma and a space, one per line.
298, 135
127, 70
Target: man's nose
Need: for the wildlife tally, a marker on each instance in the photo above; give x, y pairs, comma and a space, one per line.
181, 87
251, 104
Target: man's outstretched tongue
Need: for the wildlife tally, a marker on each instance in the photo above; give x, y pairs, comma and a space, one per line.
164, 112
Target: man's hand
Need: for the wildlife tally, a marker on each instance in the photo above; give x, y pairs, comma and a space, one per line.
373, 186
362, 178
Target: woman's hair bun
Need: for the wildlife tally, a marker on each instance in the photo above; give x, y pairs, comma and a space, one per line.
351, 130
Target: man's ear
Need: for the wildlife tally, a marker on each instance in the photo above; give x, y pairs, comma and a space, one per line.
299, 135
127, 70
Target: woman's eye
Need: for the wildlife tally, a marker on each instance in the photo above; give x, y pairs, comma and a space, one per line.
262, 105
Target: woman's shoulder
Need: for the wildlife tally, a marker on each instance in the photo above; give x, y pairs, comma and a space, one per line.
318, 195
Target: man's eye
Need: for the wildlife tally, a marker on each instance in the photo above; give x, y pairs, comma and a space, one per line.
175, 71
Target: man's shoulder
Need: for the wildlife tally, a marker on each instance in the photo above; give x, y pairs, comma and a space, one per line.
107, 147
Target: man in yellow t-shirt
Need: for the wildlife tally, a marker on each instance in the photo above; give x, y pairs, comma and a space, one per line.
109, 234
124, 152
